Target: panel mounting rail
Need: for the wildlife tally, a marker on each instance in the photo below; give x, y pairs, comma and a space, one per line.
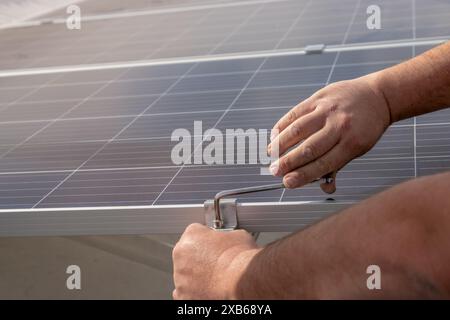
160, 219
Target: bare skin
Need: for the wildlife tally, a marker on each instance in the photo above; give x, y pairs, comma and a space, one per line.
404, 230
334, 121
329, 260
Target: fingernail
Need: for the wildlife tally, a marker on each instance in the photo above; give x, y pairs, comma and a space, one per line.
290, 182
269, 149
273, 135
274, 168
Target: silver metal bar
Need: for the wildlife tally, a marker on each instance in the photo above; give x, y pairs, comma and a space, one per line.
218, 219
428, 41
253, 217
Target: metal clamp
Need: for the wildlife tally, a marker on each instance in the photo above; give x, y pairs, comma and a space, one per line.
227, 219
221, 214
218, 218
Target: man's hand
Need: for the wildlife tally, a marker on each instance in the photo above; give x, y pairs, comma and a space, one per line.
208, 263
335, 125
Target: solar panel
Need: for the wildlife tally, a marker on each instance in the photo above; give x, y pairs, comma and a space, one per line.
102, 138
123, 126
222, 28
117, 6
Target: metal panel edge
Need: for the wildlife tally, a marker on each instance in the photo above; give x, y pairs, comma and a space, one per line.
164, 219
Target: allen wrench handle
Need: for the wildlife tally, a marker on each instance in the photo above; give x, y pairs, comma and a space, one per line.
218, 221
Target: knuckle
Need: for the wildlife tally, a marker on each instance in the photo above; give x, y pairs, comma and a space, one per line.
321, 106
192, 228
177, 251
331, 108
324, 166
241, 235
285, 164
182, 248
319, 95
310, 153
292, 115
296, 129
326, 104
312, 107
290, 181
300, 176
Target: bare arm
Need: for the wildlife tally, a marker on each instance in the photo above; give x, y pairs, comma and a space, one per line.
417, 86
345, 120
403, 230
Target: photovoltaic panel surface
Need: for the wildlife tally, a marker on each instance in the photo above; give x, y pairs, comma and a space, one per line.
232, 28
99, 7
103, 137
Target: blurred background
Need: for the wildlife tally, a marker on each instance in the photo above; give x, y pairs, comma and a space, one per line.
15, 11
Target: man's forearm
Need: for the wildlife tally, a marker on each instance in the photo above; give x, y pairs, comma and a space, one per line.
403, 230
417, 86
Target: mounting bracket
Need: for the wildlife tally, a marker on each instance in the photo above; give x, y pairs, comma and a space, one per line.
228, 215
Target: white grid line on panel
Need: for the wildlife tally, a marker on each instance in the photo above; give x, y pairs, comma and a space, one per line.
200, 75
347, 32
37, 88
221, 110
221, 57
122, 130
431, 124
237, 97
44, 85
140, 13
